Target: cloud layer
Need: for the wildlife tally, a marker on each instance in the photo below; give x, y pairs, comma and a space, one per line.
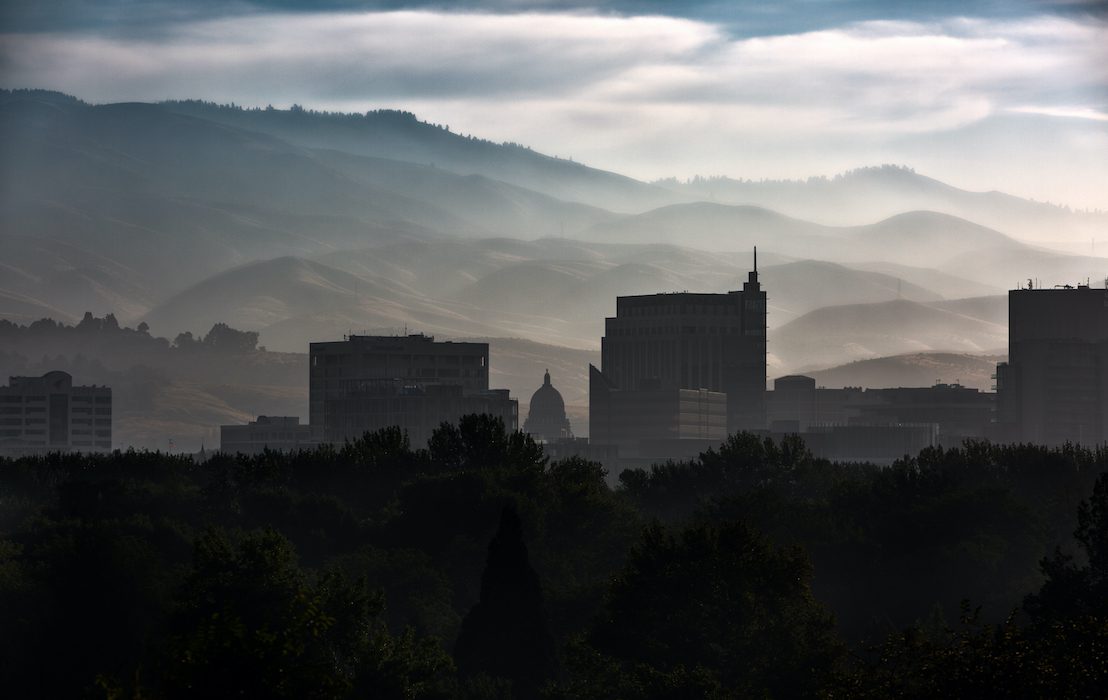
650, 96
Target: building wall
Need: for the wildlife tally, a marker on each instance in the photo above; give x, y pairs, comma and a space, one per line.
419, 412
957, 412
877, 444
715, 342
47, 413
281, 433
633, 420
366, 383
361, 363
1054, 387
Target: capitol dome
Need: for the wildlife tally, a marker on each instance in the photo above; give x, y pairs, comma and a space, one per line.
546, 418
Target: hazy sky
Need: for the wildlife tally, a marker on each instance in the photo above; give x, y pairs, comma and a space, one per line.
988, 95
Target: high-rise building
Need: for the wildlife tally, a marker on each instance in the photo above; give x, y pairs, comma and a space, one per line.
1054, 387
715, 342
48, 414
365, 383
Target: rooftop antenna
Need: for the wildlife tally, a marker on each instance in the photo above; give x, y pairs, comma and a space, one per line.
755, 258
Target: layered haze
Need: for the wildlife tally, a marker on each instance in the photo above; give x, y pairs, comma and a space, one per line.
305, 226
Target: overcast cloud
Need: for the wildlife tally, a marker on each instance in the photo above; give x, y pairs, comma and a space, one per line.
650, 96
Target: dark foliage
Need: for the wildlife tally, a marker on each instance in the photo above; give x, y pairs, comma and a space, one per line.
505, 634
715, 605
343, 571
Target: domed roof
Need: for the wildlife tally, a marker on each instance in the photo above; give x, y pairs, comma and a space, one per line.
547, 400
546, 418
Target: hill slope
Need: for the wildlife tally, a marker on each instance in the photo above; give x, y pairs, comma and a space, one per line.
918, 369
869, 194
400, 136
839, 334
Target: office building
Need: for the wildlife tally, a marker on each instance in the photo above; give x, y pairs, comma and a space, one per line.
711, 342
280, 433
365, 383
1054, 387
48, 414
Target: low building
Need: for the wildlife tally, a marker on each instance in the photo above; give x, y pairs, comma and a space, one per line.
418, 410
654, 424
49, 414
365, 383
796, 405
281, 433
583, 448
877, 444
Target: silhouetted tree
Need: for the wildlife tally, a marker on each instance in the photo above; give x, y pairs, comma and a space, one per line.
226, 339
251, 623
1063, 653
713, 607
1071, 591
505, 635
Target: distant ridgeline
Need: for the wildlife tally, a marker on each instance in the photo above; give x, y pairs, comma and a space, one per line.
36, 92
107, 333
884, 169
296, 114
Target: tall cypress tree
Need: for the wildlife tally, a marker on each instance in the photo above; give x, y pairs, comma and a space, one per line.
505, 634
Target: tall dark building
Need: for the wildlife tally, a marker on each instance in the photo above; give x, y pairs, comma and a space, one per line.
1054, 387
365, 383
715, 342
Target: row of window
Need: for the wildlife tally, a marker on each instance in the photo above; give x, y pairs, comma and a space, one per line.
727, 308
616, 331
379, 360
18, 411
421, 373
18, 398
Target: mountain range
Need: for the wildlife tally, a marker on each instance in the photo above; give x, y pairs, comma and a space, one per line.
304, 225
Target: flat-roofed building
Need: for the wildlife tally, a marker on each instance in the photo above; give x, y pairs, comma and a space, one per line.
683, 340
679, 372
655, 423
365, 383
49, 414
281, 433
797, 405
1054, 387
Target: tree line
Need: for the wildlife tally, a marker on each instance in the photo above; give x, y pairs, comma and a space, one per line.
476, 567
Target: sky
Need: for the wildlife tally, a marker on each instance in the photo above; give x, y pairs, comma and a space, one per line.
1011, 96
